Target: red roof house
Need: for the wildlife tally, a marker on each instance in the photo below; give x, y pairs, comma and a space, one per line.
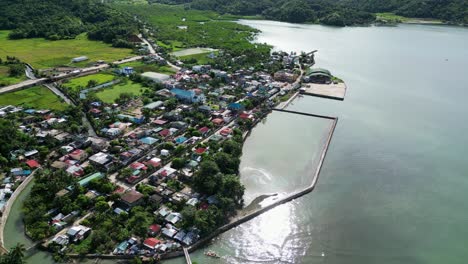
226, 132
159, 122
217, 121
33, 164
204, 130
154, 229
200, 151
165, 133
151, 242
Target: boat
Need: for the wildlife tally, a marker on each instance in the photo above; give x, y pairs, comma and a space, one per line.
212, 254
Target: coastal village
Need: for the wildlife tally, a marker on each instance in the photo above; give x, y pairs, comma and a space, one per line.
139, 161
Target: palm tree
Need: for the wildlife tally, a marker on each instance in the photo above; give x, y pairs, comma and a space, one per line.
15, 256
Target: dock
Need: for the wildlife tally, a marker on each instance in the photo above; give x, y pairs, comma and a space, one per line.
187, 256
336, 91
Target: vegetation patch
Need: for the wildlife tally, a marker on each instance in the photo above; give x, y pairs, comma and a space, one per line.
88, 81
201, 58
42, 53
141, 67
37, 97
7, 79
109, 95
175, 25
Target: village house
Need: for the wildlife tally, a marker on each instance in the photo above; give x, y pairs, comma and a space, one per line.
131, 199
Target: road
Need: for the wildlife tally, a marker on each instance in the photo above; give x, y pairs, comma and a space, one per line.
67, 100
153, 51
83, 71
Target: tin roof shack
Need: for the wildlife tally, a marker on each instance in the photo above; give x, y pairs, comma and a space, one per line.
102, 161
78, 233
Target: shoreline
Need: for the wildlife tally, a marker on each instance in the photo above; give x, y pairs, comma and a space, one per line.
10, 203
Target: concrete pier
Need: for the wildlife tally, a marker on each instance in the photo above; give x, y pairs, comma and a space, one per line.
331, 91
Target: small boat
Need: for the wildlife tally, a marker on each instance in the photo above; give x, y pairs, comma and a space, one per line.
212, 254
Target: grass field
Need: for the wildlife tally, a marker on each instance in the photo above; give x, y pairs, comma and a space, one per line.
393, 18
41, 53
108, 95
100, 78
202, 58
141, 67
37, 97
5, 79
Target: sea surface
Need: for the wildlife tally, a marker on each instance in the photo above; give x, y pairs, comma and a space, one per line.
394, 186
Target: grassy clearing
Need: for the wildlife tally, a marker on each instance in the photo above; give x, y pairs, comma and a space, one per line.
37, 97
5, 78
100, 78
393, 18
171, 45
141, 67
108, 95
202, 58
42, 53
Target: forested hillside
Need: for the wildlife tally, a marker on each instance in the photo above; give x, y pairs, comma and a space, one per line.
59, 19
297, 11
455, 11
335, 12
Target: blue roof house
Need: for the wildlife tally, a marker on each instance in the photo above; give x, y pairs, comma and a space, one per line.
187, 96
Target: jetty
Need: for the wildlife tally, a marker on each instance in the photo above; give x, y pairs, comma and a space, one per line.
335, 91
187, 256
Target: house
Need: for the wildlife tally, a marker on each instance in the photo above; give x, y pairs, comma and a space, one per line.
179, 125
19, 172
84, 182
32, 164
149, 140
156, 198
134, 119
164, 211
155, 162
159, 122
154, 229
126, 71
78, 154
205, 109
79, 59
217, 121
188, 96
173, 218
151, 243
156, 77
226, 132
154, 105
78, 233
204, 131
165, 172
169, 231
165, 133
131, 198
283, 76
180, 140
113, 132
101, 160
75, 170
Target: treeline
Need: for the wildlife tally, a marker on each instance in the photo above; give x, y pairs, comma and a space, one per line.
455, 11
334, 12
296, 11
58, 19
